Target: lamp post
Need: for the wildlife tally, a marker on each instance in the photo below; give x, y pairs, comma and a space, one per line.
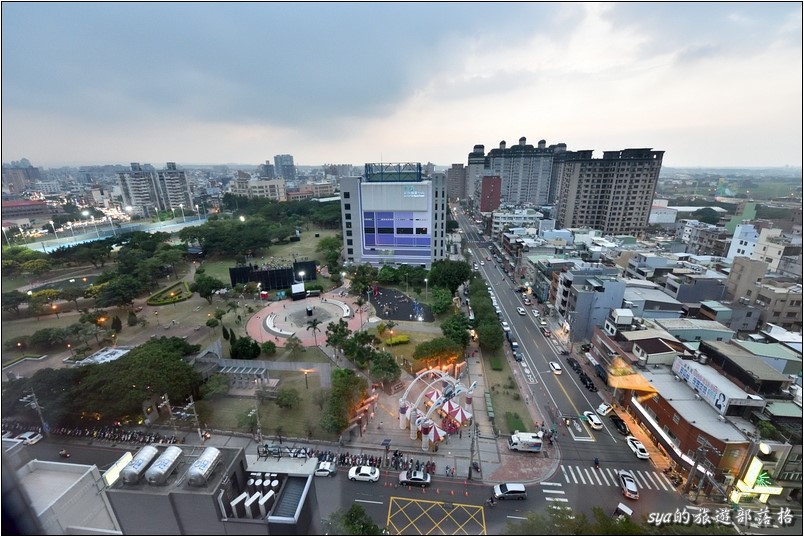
156, 314
173, 210
197, 212
6, 236
55, 310
70, 348
301, 273
96, 226
72, 228
425, 288
111, 222
181, 206
54, 230
306, 382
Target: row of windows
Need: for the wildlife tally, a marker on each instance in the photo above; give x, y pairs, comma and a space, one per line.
399, 230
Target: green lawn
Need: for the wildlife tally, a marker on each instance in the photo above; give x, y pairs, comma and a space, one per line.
505, 398
224, 413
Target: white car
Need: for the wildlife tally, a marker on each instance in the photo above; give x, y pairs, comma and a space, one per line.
593, 421
482, 263
535, 313
326, 469
555, 367
628, 485
604, 409
364, 473
505, 326
29, 438
520, 311
637, 447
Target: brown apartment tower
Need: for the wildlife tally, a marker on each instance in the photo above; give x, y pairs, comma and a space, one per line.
612, 194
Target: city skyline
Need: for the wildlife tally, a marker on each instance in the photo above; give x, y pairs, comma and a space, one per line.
712, 85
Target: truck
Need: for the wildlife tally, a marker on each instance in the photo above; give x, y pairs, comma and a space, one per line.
525, 441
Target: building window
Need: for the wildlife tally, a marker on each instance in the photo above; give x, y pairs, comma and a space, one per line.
349, 233
348, 225
348, 216
350, 251
348, 242
347, 206
346, 195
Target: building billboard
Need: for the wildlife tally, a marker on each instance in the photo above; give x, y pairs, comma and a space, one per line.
706, 389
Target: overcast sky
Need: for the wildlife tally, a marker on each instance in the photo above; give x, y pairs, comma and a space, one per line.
91, 83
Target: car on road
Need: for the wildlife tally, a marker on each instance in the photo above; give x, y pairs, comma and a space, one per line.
527, 302
573, 363
520, 311
29, 438
482, 263
414, 478
593, 421
364, 473
518, 356
620, 425
546, 332
488, 258
326, 469
505, 326
555, 367
637, 447
604, 409
535, 313
628, 485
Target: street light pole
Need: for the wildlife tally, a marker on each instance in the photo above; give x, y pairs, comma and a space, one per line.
111, 222
6, 236
425, 288
181, 206
54, 230
170, 414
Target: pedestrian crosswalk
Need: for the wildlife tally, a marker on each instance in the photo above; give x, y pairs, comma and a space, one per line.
607, 477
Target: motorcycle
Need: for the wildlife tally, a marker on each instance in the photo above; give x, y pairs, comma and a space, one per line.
476, 467
64, 454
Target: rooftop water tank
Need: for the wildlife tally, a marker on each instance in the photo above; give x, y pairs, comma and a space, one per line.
132, 472
202, 468
159, 471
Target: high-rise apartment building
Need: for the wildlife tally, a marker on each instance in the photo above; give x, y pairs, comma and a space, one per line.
285, 167
488, 195
612, 194
526, 171
267, 170
393, 216
145, 190
456, 182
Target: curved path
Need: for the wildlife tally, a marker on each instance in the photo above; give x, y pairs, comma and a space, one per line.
279, 320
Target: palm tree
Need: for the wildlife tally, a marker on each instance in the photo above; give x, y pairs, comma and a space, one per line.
312, 324
360, 302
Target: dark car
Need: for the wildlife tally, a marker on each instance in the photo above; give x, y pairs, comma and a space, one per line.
573, 363
586, 347
621, 426
518, 356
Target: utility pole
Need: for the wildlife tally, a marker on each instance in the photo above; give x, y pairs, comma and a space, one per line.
472, 448
195, 418
31, 401
166, 403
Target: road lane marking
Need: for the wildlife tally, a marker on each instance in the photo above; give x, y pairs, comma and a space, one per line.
551, 491
556, 499
369, 501
549, 484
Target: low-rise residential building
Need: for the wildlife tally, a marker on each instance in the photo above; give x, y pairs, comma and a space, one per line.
778, 356
697, 286
743, 241
695, 329
772, 246
740, 316
647, 299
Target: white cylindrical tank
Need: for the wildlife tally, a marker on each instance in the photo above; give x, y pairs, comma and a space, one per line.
203, 467
159, 471
132, 472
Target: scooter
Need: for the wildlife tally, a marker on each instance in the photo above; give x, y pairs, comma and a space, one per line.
64, 454
476, 467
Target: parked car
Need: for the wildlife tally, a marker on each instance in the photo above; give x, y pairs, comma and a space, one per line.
620, 425
546, 332
414, 478
535, 313
505, 326
604, 409
573, 363
637, 447
29, 438
593, 421
628, 485
555, 367
326, 469
520, 311
518, 356
364, 473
